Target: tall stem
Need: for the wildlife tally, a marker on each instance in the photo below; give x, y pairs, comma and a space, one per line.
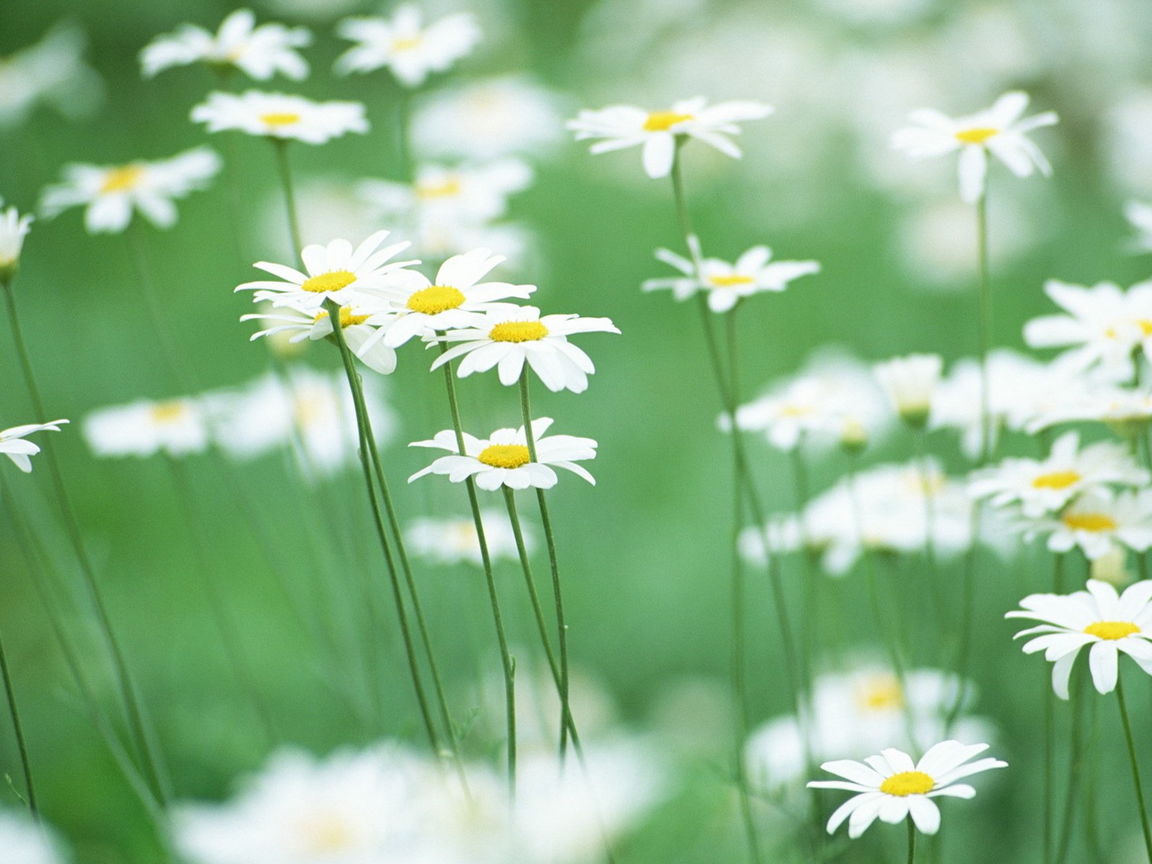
911, 841
281, 148
985, 328
1135, 768
18, 731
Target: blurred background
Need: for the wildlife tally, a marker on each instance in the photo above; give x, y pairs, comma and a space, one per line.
644, 552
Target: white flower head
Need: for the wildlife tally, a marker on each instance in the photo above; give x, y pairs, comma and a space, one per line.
360, 326
14, 443
1139, 216
658, 132
727, 283
910, 383
50, 72
509, 340
462, 194
175, 427
452, 540
999, 130
336, 271
503, 460
13, 229
1110, 623
258, 52
405, 45
280, 116
1098, 521
892, 788
111, 192
26, 842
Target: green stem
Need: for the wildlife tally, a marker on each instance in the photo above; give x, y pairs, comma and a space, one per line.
911, 841
1135, 768
985, 329
281, 148
1049, 766
18, 731
1075, 764
924, 469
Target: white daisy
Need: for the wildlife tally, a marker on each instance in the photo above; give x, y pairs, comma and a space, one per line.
280, 116
1098, 522
26, 842
893, 788
334, 271
1045, 486
448, 540
408, 47
470, 194
622, 126
14, 445
1117, 407
508, 340
998, 130
13, 229
727, 283
1139, 216
503, 458
110, 192
910, 383
453, 300
175, 427
360, 325
258, 52
51, 72
1099, 617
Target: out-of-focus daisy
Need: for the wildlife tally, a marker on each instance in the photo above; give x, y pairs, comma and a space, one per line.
1098, 522
53, 72
26, 842
280, 116
657, 132
467, 193
997, 130
110, 192
1122, 408
1045, 486
1098, 617
910, 383
508, 340
175, 427
404, 44
359, 324
335, 271
503, 458
893, 788
1139, 216
1104, 326
14, 443
453, 300
13, 229
726, 283
258, 52
454, 540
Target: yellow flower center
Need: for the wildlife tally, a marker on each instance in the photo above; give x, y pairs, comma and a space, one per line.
347, 317
122, 179
449, 187
882, 693
518, 331
908, 783
662, 121
1095, 522
280, 118
794, 410
407, 43
333, 281
730, 281
976, 135
1111, 630
435, 299
505, 455
324, 835
1056, 480
168, 412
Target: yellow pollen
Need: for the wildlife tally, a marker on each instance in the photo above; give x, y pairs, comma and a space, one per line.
347, 317
881, 693
327, 834
333, 281
1095, 522
449, 187
978, 135
1145, 326
1056, 480
729, 281
908, 783
505, 455
518, 331
1111, 630
280, 118
168, 412
122, 179
796, 410
435, 299
662, 121
406, 43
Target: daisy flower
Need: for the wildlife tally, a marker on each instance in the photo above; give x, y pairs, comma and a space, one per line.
361, 326
453, 300
1045, 486
727, 283
1111, 623
1098, 522
508, 340
503, 458
280, 116
13, 229
111, 192
997, 130
1139, 216
14, 445
258, 52
334, 271
893, 788
454, 540
471, 194
405, 45
910, 383
175, 427
51, 72
1118, 407
658, 132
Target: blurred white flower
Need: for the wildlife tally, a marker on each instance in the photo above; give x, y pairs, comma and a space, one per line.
359, 325
280, 116
111, 192
1139, 216
258, 52
468, 194
1098, 522
52, 71
175, 427
14, 444
405, 45
452, 540
26, 842
1119, 407
13, 229
910, 383
998, 130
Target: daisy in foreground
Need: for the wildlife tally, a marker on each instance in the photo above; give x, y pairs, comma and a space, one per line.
658, 132
893, 788
997, 130
726, 284
361, 325
14, 445
1109, 622
503, 459
405, 45
280, 116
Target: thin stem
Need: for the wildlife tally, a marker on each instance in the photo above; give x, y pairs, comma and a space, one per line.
911, 841
1075, 764
18, 731
985, 329
1135, 768
281, 148
1049, 766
